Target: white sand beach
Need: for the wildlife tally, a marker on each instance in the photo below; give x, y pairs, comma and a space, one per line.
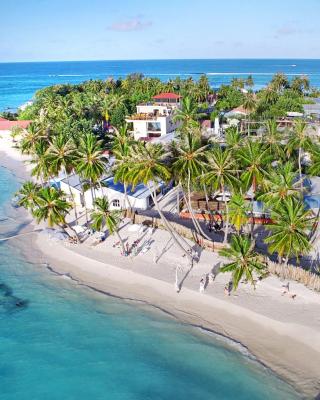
281, 331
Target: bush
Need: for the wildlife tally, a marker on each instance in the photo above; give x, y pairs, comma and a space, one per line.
118, 116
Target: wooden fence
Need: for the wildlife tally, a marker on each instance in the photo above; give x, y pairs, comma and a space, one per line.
298, 274
184, 231
291, 272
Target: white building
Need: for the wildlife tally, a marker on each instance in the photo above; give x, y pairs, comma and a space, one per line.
139, 199
154, 120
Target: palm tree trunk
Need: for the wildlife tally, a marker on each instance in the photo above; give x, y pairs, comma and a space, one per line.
84, 200
76, 234
254, 188
92, 195
72, 196
226, 230
127, 201
300, 170
101, 188
252, 218
194, 220
206, 196
178, 198
165, 222
121, 242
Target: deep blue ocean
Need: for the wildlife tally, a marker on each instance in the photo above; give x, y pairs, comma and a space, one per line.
62, 341
19, 81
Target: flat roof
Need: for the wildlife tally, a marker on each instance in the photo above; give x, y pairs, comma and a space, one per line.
140, 191
74, 182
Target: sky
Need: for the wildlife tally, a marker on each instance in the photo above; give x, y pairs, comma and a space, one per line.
54, 30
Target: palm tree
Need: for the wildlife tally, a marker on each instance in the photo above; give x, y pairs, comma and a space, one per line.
111, 102
233, 138
270, 95
314, 168
120, 139
254, 158
279, 82
30, 139
238, 83
188, 165
238, 211
300, 140
272, 138
103, 216
204, 87
121, 145
62, 154
42, 169
245, 262
51, 206
249, 82
280, 184
249, 105
147, 164
28, 195
15, 132
300, 84
221, 174
90, 161
188, 114
289, 230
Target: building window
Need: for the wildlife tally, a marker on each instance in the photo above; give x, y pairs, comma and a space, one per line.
116, 203
154, 127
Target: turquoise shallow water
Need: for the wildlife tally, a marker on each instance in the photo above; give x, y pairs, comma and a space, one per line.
67, 342
19, 81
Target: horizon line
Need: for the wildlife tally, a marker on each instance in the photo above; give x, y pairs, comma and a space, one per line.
157, 59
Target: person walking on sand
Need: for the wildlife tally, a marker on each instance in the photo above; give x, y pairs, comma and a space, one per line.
203, 283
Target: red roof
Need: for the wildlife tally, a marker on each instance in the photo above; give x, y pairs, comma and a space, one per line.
6, 125
165, 96
2, 119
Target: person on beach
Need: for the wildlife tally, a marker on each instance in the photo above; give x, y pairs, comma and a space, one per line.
201, 288
203, 283
227, 289
286, 289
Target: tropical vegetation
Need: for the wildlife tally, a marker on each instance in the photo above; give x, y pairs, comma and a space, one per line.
75, 125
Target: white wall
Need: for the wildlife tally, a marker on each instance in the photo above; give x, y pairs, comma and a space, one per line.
141, 204
140, 127
76, 193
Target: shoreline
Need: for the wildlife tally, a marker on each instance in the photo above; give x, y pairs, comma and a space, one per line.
290, 350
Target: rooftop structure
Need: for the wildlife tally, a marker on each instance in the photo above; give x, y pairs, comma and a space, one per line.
312, 109
139, 198
236, 111
6, 125
167, 97
155, 119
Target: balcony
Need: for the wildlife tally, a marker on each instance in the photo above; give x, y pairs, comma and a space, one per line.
145, 117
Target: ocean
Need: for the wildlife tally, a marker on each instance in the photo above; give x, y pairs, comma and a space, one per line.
60, 340
19, 81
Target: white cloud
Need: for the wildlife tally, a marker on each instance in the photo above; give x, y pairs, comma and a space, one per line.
135, 24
